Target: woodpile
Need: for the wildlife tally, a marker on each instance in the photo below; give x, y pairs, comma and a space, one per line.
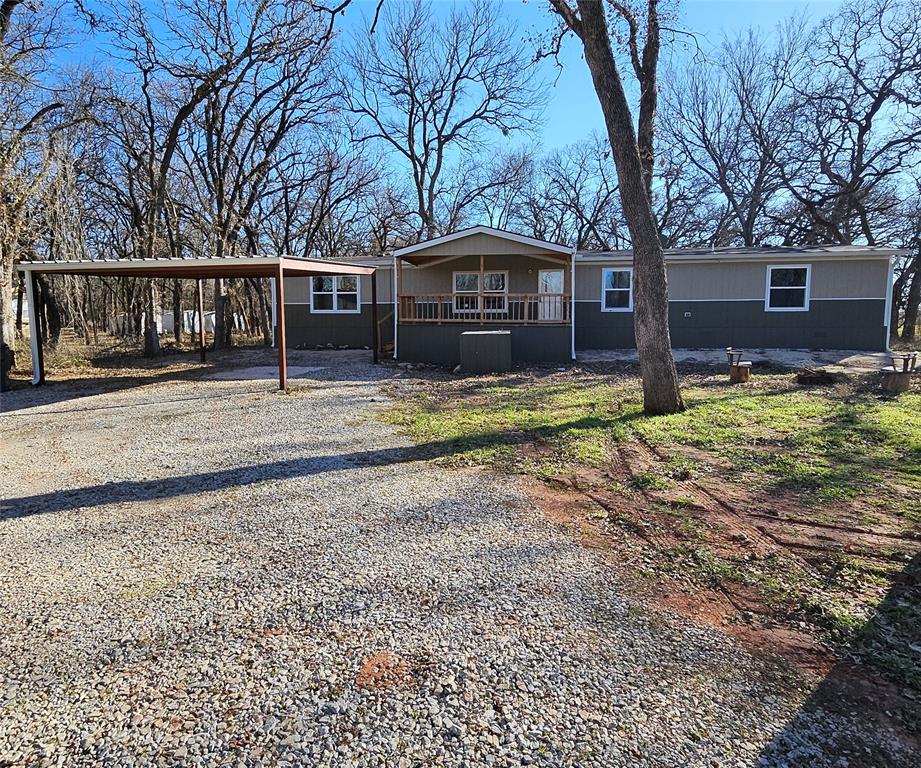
814, 377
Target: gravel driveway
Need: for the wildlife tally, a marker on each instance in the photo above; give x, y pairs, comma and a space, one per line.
205, 572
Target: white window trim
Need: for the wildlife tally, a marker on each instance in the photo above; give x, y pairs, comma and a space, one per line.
335, 295
454, 292
767, 288
604, 274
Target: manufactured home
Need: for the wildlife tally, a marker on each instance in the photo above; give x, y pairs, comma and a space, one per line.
556, 301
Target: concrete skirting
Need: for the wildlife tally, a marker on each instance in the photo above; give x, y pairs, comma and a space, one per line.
832, 359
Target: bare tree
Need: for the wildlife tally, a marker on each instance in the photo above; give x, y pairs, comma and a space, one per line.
854, 114
634, 158
434, 92
30, 107
721, 120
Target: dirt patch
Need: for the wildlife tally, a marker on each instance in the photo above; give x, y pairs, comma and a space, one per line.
383, 670
634, 558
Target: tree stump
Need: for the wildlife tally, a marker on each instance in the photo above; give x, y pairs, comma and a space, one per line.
895, 381
740, 373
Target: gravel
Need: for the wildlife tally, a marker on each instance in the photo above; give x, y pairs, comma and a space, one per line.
193, 572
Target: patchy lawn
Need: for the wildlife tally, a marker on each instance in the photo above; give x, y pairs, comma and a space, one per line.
798, 508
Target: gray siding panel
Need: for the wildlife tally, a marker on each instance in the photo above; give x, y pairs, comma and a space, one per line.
440, 344
305, 330
855, 324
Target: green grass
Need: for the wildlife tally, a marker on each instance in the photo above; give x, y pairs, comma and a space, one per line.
829, 449
569, 425
802, 440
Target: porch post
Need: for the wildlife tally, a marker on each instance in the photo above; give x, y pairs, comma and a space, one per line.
572, 303
375, 329
394, 287
35, 331
480, 296
399, 294
280, 333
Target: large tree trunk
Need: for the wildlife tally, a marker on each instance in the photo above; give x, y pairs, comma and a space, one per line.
220, 332
265, 322
20, 299
151, 337
7, 327
650, 290
909, 329
51, 331
177, 311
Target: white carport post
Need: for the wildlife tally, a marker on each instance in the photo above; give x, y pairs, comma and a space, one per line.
35, 334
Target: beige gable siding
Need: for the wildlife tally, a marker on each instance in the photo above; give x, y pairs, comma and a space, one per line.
474, 245
864, 279
438, 278
736, 280
297, 289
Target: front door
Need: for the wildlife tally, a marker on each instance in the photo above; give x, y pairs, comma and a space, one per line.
550, 299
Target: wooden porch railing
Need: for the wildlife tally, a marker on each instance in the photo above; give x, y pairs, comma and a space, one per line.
508, 308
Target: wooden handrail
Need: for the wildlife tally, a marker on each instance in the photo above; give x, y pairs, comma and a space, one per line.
486, 308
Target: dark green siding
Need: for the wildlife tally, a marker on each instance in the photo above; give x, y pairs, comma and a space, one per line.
441, 343
829, 324
306, 330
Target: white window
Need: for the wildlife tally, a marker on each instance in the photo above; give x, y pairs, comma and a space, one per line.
787, 288
617, 290
334, 293
467, 290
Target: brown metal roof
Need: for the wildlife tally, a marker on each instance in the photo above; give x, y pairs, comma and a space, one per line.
197, 267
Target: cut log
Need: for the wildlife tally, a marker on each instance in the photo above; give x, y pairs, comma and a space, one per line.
895, 381
741, 372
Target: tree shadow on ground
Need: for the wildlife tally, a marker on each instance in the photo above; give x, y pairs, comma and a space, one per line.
203, 482
875, 686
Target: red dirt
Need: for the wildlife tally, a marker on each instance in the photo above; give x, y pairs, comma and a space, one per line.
383, 670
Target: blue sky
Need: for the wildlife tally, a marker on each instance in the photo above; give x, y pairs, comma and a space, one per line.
573, 112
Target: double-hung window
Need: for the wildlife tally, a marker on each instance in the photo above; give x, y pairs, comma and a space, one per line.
334, 293
617, 289
787, 288
467, 292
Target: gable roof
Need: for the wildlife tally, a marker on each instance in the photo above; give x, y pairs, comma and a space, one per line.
483, 230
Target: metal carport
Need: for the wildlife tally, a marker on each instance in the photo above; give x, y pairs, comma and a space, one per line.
196, 268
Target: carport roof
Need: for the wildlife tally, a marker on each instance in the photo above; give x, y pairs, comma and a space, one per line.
197, 267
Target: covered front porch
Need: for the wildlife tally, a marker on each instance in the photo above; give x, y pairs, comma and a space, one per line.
482, 278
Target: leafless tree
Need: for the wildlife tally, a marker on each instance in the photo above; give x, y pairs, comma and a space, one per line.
854, 115
435, 92
633, 153
30, 109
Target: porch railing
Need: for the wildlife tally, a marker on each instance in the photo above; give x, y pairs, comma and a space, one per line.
508, 308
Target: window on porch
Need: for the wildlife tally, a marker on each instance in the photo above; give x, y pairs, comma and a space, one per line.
467, 292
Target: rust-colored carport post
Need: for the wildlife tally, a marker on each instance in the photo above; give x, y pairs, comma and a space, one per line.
376, 329
201, 320
280, 325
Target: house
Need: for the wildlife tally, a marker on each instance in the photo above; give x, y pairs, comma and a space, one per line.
556, 301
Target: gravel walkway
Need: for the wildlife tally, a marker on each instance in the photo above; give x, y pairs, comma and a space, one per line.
193, 572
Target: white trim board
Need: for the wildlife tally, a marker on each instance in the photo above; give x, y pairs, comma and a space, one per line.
760, 301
